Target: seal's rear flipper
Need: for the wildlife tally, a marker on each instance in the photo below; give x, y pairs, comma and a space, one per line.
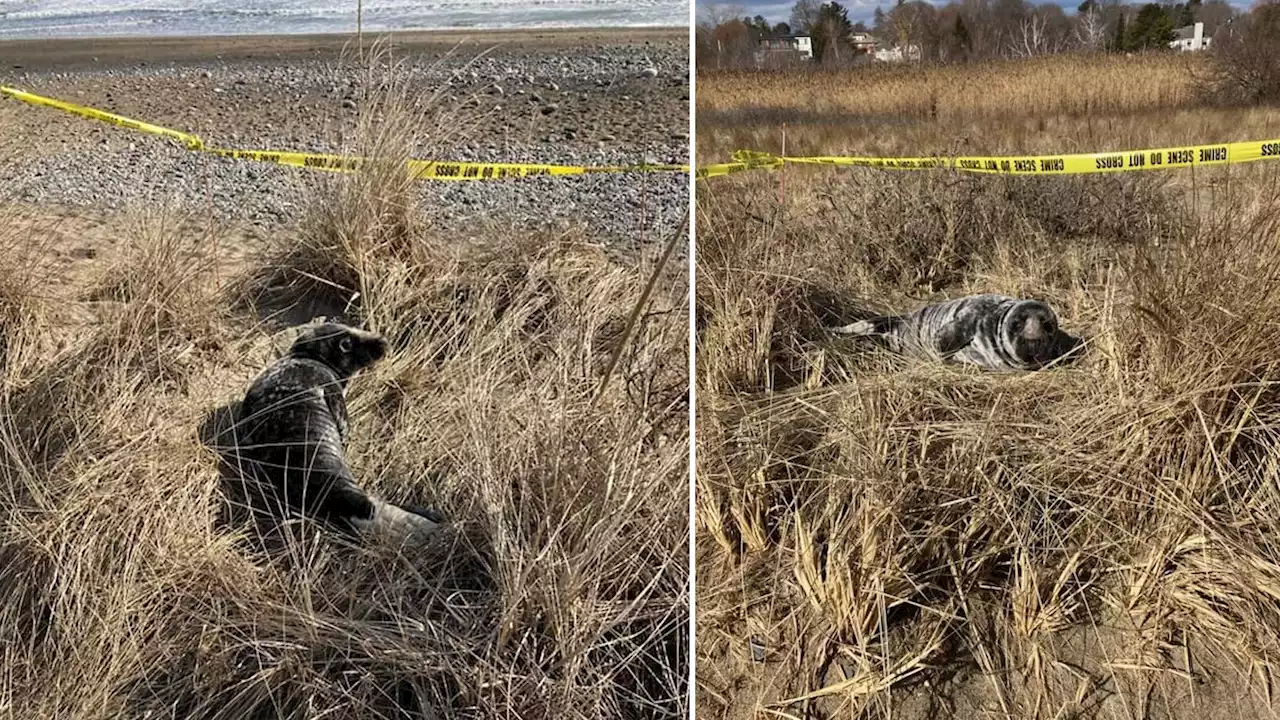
872, 326
427, 513
396, 525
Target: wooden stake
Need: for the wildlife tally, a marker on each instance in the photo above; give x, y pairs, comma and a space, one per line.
782, 171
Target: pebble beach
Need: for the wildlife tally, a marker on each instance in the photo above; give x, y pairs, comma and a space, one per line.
572, 96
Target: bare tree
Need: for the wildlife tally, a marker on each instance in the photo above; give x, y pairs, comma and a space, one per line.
1215, 14
914, 27
904, 19
1006, 19
1030, 38
714, 15
1246, 58
1044, 31
722, 37
1090, 30
805, 15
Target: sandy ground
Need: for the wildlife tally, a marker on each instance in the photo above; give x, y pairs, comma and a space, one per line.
68, 247
73, 54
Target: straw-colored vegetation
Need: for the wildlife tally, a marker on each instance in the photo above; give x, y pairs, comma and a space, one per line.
881, 537
127, 587
1053, 84
1065, 103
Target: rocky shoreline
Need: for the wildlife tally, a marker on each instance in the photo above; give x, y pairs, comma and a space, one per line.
542, 99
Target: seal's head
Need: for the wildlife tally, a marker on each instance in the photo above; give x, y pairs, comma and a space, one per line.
344, 348
1031, 335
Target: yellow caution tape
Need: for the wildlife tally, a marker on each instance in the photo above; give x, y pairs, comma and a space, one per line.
422, 169
742, 160
1074, 164
917, 163
1151, 159
190, 141
718, 169
435, 169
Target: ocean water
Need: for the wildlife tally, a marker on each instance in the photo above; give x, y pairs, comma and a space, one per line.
62, 18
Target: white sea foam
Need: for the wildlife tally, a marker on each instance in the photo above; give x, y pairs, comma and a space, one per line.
56, 18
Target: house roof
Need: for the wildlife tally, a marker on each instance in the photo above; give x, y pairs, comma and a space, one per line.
1185, 33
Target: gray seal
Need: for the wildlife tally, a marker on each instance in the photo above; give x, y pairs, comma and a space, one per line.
291, 428
994, 332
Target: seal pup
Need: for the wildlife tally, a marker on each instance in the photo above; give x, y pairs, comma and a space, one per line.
290, 434
994, 332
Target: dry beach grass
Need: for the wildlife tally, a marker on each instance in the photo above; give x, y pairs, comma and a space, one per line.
1052, 84
1044, 105
884, 538
129, 588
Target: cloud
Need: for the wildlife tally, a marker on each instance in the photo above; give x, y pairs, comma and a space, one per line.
771, 9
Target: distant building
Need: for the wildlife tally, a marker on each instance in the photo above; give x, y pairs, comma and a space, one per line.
863, 43
787, 44
898, 53
1190, 38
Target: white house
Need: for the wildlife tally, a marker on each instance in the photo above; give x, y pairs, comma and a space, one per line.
804, 46
1190, 38
863, 43
801, 44
898, 53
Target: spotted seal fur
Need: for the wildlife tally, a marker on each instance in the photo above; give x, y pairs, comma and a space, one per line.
995, 332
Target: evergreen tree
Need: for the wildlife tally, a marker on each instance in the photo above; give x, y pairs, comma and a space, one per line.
1120, 42
1152, 29
757, 26
831, 30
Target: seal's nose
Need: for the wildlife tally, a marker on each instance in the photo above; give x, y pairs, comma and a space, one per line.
1033, 329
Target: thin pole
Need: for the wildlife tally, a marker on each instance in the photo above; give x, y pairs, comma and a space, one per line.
360, 28
782, 171
638, 310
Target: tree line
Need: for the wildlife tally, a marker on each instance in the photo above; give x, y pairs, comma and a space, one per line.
961, 30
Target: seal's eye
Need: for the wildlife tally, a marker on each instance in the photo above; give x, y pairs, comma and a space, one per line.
344, 346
